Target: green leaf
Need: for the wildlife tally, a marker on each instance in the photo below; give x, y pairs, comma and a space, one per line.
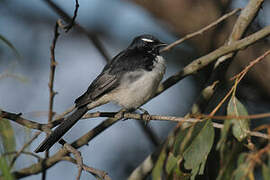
242, 170
7, 135
196, 153
223, 137
158, 169
266, 172
228, 161
10, 45
171, 163
4, 168
240, 126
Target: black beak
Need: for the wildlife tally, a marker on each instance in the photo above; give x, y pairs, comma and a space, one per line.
161, 44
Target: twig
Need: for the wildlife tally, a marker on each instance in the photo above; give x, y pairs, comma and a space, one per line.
95, 172
203, 61
28, 123
251, 64
199, 32
53, 64
93, 38
17, 154
78, 157
23, 152
36, 168
223, 62
238, 78
241, 25
114, 116
68, 27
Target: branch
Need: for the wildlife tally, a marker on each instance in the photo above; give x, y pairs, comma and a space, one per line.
47, 163
203, 61
97, 43
21, 151
29, 123
78, 157
93, 171
222, 64
53, 64
68, 27
201, 31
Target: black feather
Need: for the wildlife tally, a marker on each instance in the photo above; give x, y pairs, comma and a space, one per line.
61, 129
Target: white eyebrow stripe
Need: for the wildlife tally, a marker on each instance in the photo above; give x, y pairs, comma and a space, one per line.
147, 40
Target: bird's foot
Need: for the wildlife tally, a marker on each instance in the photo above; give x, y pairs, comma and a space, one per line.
145, 115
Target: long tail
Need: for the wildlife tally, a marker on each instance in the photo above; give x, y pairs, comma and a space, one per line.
61, 129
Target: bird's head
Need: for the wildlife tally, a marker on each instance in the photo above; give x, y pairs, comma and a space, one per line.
147, 43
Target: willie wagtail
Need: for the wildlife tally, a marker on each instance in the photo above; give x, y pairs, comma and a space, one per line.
129, 79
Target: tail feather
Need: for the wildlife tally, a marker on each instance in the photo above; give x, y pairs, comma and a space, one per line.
61, 129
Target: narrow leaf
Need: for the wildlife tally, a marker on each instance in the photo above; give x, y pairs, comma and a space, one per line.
4, 169
7, 135
196, 154
240, 126
158, 169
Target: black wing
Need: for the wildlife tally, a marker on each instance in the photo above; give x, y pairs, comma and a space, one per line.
128, 60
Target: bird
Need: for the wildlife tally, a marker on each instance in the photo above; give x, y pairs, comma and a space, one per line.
130, 79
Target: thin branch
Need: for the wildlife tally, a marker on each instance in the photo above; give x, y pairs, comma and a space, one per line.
201, 31
251, 64
95, 172
78, 157
23, 152
46, 163
68, 27
240, 27
115, 116
239, 77
53, 64
223, 62
93, 38
18, 153
203, 61
29, 123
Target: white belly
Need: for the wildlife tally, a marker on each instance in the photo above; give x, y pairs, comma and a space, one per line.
139, 86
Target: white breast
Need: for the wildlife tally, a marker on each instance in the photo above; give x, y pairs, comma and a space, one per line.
138, 86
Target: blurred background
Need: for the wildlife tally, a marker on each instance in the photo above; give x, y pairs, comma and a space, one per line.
29, 26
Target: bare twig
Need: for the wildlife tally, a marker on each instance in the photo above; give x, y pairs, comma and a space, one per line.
241, 25
28, 123
69, 26
53, 64
23, 152
201, 31
36, 168
203, 61
93, 38
222, 64
239, 77
93, 171
17, 154
78, 157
